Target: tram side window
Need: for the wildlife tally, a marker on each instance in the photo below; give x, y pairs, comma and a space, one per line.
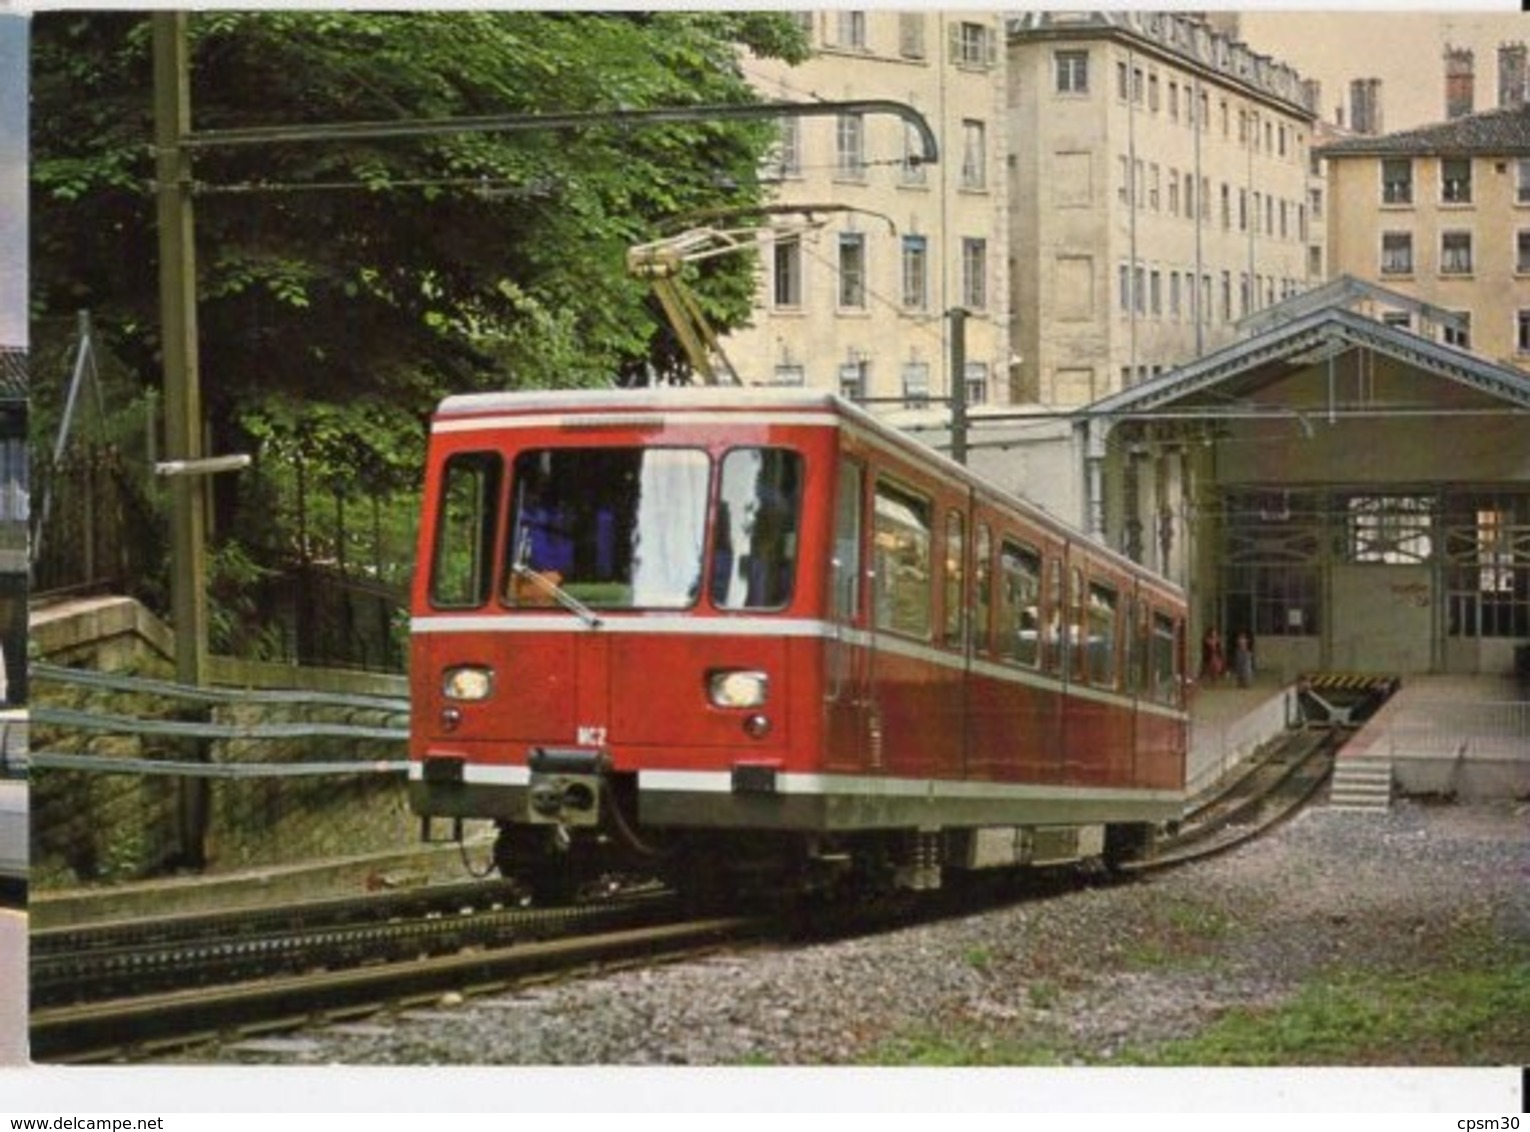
759, 512
466, 516
956, 564
1101, 640
1019, 604
847, 542
903, 540
1165, 685
982, 588
1054, 646
1077, 625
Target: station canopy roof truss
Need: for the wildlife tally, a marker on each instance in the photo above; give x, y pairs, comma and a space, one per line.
1307, 334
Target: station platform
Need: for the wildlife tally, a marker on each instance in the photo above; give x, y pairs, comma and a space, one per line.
1465, 737
1229, 723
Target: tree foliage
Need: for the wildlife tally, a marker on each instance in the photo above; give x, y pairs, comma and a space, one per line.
372, 277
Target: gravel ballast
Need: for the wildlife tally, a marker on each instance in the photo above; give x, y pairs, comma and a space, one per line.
1077, 979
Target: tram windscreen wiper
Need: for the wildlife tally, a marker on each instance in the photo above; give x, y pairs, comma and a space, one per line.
567, 600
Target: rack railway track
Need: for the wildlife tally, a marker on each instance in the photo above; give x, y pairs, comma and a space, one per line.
130, 990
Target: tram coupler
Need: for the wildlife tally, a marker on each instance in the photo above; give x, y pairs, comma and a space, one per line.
566, 785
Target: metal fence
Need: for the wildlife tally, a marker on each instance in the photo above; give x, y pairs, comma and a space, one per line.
1462, 728
133, 778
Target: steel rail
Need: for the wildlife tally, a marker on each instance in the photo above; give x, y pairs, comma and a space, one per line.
139, 1026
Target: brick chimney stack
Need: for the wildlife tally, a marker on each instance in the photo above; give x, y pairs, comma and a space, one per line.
1460, 81
1511, 75
1365, 106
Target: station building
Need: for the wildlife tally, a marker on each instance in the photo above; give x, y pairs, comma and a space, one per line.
1353, 493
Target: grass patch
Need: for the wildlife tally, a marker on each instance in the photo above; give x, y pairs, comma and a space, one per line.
974, 1049
1174, 930
1435, 1017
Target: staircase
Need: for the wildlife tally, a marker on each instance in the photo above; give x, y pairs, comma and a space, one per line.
1361, 783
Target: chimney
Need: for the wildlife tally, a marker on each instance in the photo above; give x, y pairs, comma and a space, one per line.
1511, 75
1460, 78
1365, 106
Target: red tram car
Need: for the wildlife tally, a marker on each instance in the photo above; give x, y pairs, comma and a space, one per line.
756, 632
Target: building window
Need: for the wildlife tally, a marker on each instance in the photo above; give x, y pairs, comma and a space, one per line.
916, 385
1173, 101
1226, 206
1124, 286
1456, 180
972, 45
1397, 180
1072, 72
1390, 529
976, 376
975, 274
1455, 253
1124, 189
1522, 181
1153, 93
1522, 252
850, 147
1522, 332
852, 380
1155, 294
1459, 336
789, 373
1153, 186
787, 257
1397, 320
852, 271
916, 273
1488, 541
974, 155
914, 170
911, 35
1123, 82
789, 152
851, 26
1397, 253
1272, 576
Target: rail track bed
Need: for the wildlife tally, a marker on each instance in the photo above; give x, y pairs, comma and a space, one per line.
205, 986
130, 990
1272, 787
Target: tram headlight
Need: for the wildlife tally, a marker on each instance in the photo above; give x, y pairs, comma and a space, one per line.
468, 682
734, 688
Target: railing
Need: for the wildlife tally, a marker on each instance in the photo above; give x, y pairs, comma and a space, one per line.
134, 778
1462, 728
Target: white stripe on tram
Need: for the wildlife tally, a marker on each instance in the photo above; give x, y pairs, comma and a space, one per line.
799, 628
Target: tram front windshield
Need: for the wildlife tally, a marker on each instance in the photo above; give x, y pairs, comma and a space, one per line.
625, 528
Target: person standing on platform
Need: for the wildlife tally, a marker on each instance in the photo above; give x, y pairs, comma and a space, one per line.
1213, 657
1243, 659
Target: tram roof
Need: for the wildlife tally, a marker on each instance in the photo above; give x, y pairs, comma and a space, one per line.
764, 399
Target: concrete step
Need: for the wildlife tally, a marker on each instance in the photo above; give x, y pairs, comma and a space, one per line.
1361, 784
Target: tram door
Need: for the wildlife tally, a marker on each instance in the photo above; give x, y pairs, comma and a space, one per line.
847, 667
